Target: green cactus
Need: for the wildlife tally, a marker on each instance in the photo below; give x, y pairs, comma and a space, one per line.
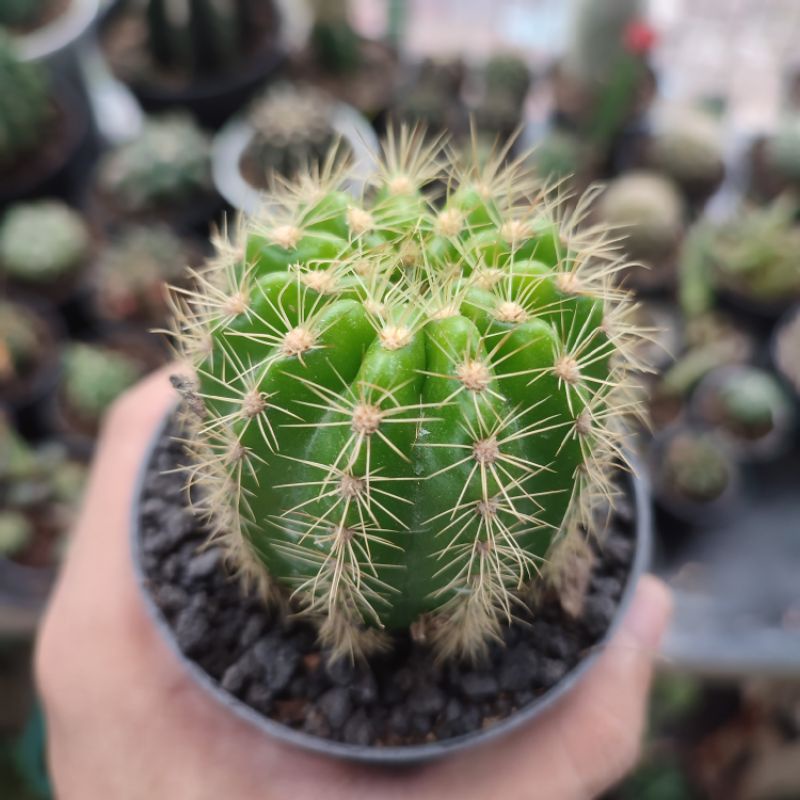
17, 459
696, 467
21, 13
688, 149
203, 37
648, 211
782, 150
336, 46
558, 155
396, 406
94, 377
167, 164
16, 532
132, 272
755, 253
27, 108
749, 403
293, 129
43, 241
20, 343
434, 100
508, 74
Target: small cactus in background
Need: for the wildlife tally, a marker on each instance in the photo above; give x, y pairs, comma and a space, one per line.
506, 83
434, 98
292, 130
336, 46
168, 163
557, 156
688, 149
20, 343
648, 212
203, 37
21, 13
17, 460
508, 73
93, 378
43, 241
27, 109
133, 270
397, 406
696, 467
16, 533
782, 151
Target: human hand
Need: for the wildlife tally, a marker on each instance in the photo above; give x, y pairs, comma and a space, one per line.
125, 721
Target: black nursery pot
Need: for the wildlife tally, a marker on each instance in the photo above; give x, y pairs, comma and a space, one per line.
154, 505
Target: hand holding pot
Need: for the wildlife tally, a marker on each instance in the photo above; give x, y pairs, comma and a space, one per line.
124, 720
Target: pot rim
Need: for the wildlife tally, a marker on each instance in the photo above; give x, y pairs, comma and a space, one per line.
638, 488
60, 33
231, 141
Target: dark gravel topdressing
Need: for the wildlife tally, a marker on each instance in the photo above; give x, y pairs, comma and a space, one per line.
275, 666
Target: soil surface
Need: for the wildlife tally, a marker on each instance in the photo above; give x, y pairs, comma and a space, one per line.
274, 665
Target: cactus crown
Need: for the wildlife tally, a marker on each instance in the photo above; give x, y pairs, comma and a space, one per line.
94, 377
396, 403
697, 466
20, 344
26, 108
648, 210
293, 129
43, 241
168, 162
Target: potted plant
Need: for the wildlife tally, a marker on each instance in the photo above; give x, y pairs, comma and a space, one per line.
649, 215
163, 175
291, 127
207, 57
501, 108
132, 271
775, 160
749, 408
46, 249
29, 347
42, 127
386, 439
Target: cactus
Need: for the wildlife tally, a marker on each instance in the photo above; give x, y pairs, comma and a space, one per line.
17, 460
648, 211
94, 377
16, 532
292, 130
20, 343
749, 403
782, 150
168, 163
336, 46
132, 272
688, 149
26, 110
204, 37
21, 13
558, 155
434, 98
508, 74
43, 241
395, 406
696, 467
755, 253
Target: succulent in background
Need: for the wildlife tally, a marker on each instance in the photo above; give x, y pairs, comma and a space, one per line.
17, 459
20, 343
649, 214
133, 270
292, 130
782, 151
94, 376
787, 350
508, 73
27, 107
688, 149
336, 46
16, 533
433, 100
396, 406
557, 156
695, 467
21, 13
43, 241
168, 163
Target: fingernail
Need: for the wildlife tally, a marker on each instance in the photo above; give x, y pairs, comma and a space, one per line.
650, 612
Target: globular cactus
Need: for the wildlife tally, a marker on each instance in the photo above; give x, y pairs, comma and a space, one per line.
292, 130
506, 83
16, 532
93, 377
558, 155
167, 163
27, 106
336, 46
395, 406
21, 13
203, 37
20, 342
507, 73
434, 100
782, 151
695, 467
648, 212
688, 149
17, 460
133, 270
43, 241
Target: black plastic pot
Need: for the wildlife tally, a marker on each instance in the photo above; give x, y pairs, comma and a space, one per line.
411, 754
232, 141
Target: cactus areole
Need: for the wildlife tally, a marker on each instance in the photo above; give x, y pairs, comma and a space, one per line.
399, 403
